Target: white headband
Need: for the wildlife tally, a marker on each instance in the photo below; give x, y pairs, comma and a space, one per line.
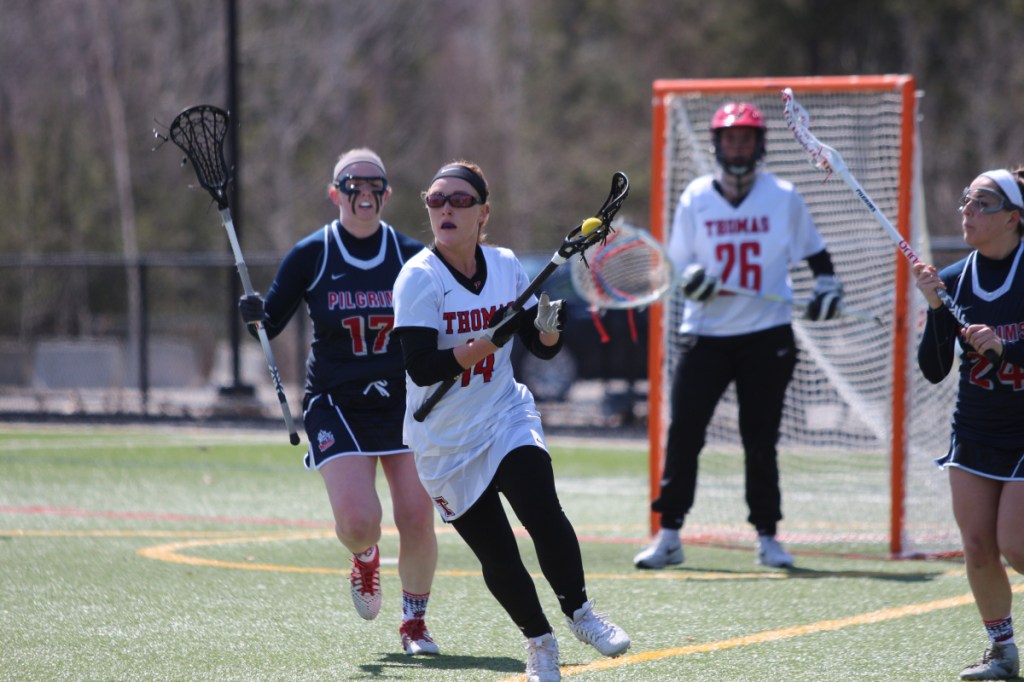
1008, 184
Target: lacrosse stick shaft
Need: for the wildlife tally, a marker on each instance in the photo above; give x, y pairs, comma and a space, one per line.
894, 234
243, 273
801, 305
823, 155
434, 398
897, 239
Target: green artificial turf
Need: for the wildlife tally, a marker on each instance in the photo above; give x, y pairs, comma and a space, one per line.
185, 554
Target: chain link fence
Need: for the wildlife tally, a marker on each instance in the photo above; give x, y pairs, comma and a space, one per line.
76, 343
158, 336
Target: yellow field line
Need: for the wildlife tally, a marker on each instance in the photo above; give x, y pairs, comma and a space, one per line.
171, 553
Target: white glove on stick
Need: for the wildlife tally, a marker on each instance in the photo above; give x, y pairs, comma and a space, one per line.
549, 315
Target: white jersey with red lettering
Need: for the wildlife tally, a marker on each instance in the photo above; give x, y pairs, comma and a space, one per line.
750, 246
487, 413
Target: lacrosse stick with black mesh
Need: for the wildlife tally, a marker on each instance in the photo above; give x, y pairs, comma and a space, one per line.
200, 131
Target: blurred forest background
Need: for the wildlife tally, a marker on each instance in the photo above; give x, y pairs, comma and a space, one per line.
550, 97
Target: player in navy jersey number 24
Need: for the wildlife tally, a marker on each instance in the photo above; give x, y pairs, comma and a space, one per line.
485, 437
354, 399
986, 454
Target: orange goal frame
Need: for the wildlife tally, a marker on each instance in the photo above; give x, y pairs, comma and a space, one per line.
903, 84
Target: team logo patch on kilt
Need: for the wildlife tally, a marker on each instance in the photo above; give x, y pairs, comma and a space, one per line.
442, 505
324, 440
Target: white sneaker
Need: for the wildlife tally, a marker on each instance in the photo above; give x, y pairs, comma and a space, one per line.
659, 553
365, 586
771, 553
999, 662
542, 659
593, 628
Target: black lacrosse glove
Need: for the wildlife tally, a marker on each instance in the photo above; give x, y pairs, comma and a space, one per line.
550, 315
500, 335
698, 285
251, 307
826, 299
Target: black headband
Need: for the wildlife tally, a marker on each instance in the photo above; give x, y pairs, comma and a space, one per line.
465, 173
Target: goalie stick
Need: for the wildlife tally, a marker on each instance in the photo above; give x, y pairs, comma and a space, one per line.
633, 270
828, 159
200, 131
588, 233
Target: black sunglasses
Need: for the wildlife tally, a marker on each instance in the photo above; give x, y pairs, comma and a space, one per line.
456, 199
353, 184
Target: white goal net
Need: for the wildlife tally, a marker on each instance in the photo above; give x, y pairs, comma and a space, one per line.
861, 423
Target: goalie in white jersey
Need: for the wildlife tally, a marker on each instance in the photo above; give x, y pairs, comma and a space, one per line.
742, 227
485, 436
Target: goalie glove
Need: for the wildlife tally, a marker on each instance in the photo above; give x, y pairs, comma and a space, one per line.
550, 315
698, 285
826, 299
251, 307
501, 330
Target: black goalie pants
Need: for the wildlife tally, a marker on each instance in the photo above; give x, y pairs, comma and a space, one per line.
761, 365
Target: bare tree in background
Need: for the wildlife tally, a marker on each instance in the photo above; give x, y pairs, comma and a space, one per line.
104, 47
549, 97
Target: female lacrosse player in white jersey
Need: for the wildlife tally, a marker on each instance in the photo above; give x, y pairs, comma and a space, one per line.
986, 454
355, 385
485, 437
742, 227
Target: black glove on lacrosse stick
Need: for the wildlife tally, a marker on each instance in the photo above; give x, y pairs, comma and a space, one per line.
826, 299
550, 315
698, 285
500, 330
251, 308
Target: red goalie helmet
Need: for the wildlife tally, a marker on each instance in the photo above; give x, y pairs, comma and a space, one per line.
738, 115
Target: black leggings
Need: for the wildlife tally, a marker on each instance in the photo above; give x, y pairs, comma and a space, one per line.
527, 481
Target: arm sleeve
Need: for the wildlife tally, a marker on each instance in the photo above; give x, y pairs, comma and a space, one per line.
288, 289
1013, 352
935, 352
530, 337
426, 364
821, 263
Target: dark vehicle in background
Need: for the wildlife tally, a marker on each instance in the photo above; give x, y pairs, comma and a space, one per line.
622, 355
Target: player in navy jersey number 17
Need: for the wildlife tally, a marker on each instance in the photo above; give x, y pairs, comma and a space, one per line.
742, 227
354, 399
986, 454
485, 437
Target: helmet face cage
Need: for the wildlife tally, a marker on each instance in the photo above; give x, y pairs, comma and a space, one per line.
738, 115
